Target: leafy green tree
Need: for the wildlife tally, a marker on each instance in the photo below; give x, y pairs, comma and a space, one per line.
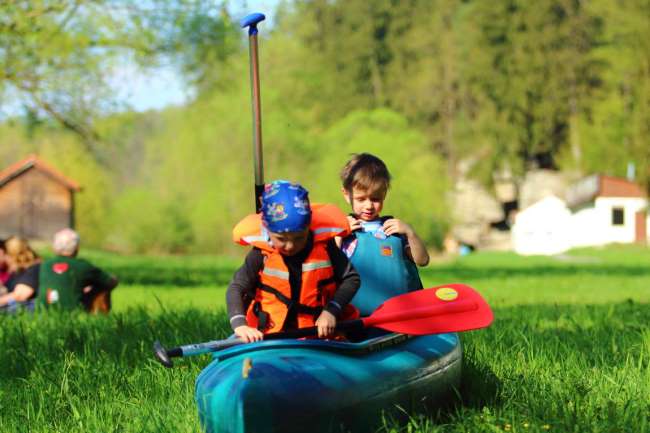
536, 72
202, 40
423, 79
54, 54
143, 223
617, 131
58, 56
347, 40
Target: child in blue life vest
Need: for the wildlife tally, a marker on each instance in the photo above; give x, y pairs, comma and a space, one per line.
383, 250
295, 276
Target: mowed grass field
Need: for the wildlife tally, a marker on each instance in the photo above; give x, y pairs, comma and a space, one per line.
569, 350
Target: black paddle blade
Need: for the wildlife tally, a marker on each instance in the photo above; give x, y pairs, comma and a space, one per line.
161, 354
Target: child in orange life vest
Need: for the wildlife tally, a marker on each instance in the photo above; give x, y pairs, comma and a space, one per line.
295, 276
384, 250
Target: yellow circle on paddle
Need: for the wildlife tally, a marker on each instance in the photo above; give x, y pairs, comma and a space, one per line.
446, 294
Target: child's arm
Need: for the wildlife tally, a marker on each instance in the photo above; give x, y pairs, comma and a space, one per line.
347, 278
417, 250
243, 284
348, 281
21, 293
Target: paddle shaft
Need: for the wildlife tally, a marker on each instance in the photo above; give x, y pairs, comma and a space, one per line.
377, 319
213, 346
258, 160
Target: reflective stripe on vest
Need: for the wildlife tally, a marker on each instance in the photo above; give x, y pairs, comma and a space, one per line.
252, 239
316, 265
277, 273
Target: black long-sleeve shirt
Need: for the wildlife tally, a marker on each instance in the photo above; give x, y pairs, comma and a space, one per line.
246, 280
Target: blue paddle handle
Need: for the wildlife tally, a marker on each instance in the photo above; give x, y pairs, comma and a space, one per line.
251, 21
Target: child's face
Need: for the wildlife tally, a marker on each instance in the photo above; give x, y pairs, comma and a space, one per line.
289, 243
366, 205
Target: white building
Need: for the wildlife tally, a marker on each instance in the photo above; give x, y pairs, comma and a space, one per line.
607, 210
598, 210
542, 228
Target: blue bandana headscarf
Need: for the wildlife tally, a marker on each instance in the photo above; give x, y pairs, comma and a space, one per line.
285, 207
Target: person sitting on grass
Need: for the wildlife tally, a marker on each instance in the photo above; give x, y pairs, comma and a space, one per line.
22, 266
4, 267
68, 282
384, 250
295, 276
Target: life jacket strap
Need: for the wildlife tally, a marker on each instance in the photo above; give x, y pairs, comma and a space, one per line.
262, 316
322, 283
291, 304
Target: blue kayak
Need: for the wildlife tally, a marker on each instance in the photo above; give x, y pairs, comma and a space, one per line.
324, 386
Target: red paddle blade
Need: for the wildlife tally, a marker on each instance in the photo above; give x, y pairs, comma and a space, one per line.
448, 308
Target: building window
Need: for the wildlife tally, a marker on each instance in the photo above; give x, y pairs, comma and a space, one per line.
618, 216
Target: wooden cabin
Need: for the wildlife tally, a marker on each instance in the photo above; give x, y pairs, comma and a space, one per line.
36, 200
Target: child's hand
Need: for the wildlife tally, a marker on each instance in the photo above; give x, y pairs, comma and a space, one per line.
355, 224
396, 226
248, 333
326, 323
416, 250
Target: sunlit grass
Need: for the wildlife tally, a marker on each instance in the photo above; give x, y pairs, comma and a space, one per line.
156, 299
569, 349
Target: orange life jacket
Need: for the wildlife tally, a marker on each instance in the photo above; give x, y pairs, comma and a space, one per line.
269, 309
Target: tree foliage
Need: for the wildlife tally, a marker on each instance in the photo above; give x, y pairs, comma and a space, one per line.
53, 52
429, 86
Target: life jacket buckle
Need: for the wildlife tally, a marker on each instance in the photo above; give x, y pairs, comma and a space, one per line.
263, 317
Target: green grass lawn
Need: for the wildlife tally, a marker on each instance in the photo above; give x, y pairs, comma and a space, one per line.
569, 350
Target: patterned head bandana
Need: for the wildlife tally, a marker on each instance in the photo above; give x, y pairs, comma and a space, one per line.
285, 207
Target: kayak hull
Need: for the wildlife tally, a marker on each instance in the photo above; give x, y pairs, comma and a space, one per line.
325, 386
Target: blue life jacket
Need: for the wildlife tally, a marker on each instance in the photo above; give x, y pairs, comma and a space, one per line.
384, 269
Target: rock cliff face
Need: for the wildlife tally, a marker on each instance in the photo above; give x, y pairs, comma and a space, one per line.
476, 210
539, 184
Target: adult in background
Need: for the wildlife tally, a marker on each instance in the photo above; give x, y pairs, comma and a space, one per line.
22, 266
68, 282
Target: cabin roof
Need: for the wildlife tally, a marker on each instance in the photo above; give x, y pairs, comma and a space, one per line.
598, 185
33, 161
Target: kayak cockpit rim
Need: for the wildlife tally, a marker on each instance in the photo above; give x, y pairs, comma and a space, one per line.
352, 349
